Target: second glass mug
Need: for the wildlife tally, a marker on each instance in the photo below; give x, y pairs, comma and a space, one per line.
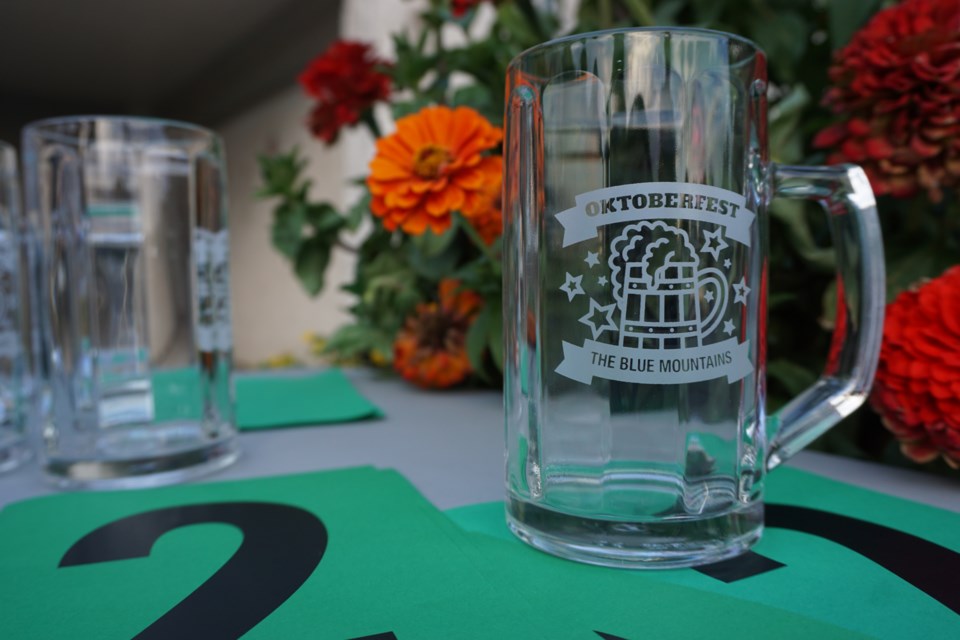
131, 252
637, 182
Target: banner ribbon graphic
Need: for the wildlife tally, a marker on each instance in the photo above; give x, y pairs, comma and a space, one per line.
727, 359
656, 201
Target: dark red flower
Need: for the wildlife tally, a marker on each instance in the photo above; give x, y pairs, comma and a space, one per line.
917, 388
839, 333
897, 87
460, 7
346, 80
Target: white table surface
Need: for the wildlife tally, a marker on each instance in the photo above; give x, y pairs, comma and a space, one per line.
449, 444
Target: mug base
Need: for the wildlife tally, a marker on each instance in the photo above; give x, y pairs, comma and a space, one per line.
143, 470
667, 544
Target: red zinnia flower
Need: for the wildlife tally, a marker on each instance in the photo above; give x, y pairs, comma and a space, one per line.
430, 350
346, 80
917, 388
897, 85
460, 7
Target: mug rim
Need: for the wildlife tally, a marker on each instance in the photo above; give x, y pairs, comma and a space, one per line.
46, 127
537, 48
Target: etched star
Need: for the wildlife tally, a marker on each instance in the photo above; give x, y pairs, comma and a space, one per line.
727, 263
592, 258
713, 243
728, 327
572, 287
740, 291
602, 281
708, 296
605, 313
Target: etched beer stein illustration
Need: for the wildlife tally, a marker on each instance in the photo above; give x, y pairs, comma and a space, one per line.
637, 183
656, 286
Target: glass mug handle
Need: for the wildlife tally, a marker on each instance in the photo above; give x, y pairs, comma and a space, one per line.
845, 194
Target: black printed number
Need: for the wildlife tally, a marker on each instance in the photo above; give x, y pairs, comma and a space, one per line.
281, 547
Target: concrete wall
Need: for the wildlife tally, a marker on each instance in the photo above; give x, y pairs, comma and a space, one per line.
271, 312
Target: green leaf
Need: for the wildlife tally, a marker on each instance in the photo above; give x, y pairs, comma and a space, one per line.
776, 299
431, 244
785, 119
904, 272
640, 12
410, 64
666, 12
435, 268
357, 212
311, 265
287, 230
828, 316
475, 96
707, 12
515, 25
280, 173
477, 340
792, 377
481, 275
388, 296
357, 340
324, 219
845, 17
401, 108
791, 213
784, 36
351, 338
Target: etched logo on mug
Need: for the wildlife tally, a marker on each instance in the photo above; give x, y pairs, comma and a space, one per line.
671, 318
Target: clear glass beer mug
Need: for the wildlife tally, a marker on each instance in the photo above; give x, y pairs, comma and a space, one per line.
637, 181
14, 373
130, 220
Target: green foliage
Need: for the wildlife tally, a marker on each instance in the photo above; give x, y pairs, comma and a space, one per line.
304, 232
845, 17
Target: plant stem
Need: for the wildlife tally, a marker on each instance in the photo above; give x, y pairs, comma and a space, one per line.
605, 13
339, 243
371, 122
533, 18
477, 240
443, 75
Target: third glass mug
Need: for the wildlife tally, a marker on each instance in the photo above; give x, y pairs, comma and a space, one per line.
637, 181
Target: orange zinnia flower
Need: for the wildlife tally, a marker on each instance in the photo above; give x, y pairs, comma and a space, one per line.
487, 217
431, 166
430, 350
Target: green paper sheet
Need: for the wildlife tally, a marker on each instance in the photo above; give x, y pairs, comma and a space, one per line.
265, 401
275, 401
392, 563
622, 602
821, 579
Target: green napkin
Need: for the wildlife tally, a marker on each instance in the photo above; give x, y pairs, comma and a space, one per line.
268, 401
821, 579
344, 555
386, 564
